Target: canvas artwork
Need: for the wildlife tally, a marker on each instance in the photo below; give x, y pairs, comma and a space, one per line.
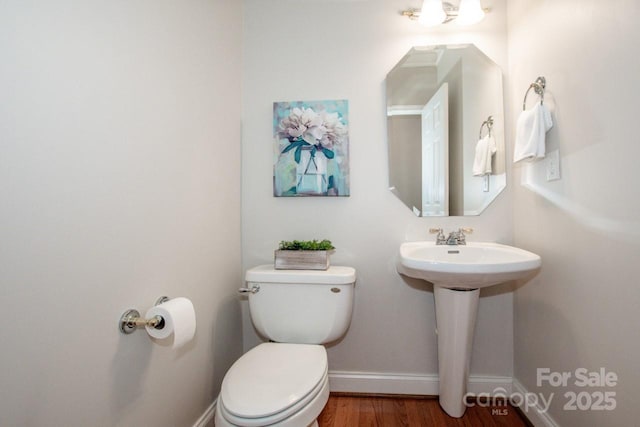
311, 148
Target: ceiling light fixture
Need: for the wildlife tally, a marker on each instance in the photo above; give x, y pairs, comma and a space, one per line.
436, 12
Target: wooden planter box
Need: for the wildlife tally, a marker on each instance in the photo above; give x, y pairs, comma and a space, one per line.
301, 260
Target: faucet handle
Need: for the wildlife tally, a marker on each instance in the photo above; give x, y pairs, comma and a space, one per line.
440, 239
462, 240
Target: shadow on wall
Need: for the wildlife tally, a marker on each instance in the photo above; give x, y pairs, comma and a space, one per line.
228, 318
626, 231
550, 328
130, 364
132, 359
128, 371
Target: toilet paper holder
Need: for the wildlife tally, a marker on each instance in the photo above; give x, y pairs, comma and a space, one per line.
131, 319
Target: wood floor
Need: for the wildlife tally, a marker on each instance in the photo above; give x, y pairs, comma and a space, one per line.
387, 411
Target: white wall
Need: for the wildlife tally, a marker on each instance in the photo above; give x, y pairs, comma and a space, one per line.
582, 310
119, 182
343, 50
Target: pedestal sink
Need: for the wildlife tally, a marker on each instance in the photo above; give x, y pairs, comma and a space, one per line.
457, 273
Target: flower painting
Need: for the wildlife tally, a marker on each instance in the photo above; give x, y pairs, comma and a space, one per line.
311, 148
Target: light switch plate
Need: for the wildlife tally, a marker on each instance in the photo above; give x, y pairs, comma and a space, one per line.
485, 183
553, 165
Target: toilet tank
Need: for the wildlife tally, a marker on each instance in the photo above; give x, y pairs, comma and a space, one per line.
301, 306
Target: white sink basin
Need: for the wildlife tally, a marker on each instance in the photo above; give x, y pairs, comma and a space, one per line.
471, 266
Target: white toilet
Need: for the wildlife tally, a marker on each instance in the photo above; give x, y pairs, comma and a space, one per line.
285, 383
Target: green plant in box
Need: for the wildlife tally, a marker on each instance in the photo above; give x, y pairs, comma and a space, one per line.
306, 245
303, 255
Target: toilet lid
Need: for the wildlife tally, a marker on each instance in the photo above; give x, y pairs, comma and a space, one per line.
272, 377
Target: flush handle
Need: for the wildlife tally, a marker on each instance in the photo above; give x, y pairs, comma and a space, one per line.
252, 290
335, 290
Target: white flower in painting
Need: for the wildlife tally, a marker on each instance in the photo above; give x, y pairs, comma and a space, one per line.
302, 123
303, 127
335, 129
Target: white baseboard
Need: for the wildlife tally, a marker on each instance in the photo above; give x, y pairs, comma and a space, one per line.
535, 414
382, 383
206, 419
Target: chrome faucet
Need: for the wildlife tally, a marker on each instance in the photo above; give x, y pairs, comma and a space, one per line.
454, 238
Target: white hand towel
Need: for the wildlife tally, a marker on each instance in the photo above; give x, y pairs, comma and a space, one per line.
531, 128
485, 149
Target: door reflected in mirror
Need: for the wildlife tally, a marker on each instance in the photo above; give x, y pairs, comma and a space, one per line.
445, 129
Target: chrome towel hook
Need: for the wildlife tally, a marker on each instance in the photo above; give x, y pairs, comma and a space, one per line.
489, 124
538, 87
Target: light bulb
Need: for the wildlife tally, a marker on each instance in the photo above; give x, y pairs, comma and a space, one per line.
432, 13
470, 12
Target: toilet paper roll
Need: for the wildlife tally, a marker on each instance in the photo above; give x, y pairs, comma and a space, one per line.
179, 319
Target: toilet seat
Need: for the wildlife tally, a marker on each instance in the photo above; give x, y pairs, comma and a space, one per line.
273, 382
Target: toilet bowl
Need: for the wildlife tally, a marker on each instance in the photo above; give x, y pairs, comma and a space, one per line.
281, 384
285, 383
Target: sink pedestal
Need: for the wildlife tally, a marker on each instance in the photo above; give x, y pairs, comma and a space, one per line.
456, 312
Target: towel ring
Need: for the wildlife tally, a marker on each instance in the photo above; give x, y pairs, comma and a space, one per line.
538, 87
489, 124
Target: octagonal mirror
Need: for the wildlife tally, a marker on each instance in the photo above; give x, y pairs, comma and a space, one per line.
445, 129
